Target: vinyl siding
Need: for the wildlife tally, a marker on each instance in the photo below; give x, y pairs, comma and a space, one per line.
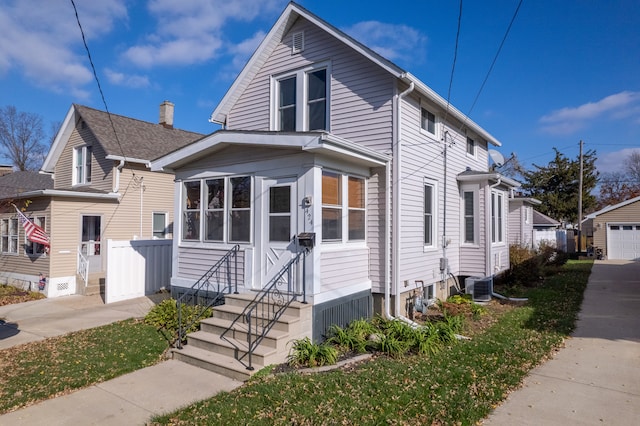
360, 92
625, 215
194, 262
520, 232
21, 263
101, 168
340, 268
376, 197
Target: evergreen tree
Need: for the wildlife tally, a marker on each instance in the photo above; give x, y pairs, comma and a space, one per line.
557, 186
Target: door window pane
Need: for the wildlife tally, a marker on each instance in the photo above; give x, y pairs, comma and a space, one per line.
280, 213
240, 221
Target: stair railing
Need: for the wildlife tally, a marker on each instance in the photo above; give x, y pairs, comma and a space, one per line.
208, 291
262, 313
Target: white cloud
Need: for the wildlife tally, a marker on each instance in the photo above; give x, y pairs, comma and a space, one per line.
612, 161
121, 79
192, 31
42, 41
571, 119
393, 42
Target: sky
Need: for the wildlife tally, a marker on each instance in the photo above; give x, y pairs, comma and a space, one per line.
567, 71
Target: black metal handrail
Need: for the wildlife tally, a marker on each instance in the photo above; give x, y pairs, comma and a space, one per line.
209, 290
261, 314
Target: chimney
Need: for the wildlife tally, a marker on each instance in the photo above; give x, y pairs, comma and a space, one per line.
166, 114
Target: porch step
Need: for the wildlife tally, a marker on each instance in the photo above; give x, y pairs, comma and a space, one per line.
206, 349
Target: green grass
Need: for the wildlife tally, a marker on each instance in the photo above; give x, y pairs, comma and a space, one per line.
40, 370
458, 385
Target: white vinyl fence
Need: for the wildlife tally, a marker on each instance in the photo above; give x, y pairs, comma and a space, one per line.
136, 268
554, 237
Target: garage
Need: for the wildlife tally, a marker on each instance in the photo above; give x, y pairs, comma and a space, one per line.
624, 241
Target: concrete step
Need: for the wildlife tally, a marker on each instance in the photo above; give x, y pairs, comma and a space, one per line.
218, 363
226, 312
234, 348
276, 339
243, 299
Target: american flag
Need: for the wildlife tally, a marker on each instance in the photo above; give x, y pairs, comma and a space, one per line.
33, 231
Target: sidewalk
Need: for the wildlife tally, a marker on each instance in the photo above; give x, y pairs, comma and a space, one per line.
131, 399
595, 379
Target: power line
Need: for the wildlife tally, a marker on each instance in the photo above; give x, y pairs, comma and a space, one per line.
95, 75
453, 66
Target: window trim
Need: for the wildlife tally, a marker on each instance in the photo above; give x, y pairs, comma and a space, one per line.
433, 184
436, 121
474, 147
475, 190
84, 151
165, 228
497, 218
302, 96
9, 236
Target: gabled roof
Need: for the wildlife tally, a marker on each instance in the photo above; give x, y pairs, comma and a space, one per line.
540, 219
291, 13
137, 141
316, 142
526, 200
613, 207
12, 185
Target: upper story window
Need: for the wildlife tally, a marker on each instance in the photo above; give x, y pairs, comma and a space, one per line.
82, 165
31, 248
343, 207
471, 147
9, 236
301, 100
430, 203
227, 210
497, 222
427, 121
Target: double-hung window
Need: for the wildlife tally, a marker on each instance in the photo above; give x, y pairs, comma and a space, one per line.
497, 221
427, 121
82, 165
31, 248
468, 198
429, 210
301, 100
9, 238
343, 207
226, 209
471, 147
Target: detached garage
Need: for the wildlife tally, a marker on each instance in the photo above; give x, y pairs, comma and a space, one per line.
616, 230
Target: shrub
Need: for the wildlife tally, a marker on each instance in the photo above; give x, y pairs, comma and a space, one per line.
164, 316
306, 353
355, 337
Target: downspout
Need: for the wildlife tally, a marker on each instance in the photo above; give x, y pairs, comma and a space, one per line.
119, 167
396, 201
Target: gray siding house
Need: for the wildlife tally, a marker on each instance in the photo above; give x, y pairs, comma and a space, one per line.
322, 135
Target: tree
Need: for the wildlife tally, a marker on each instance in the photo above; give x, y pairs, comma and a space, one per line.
557, 186
619, 186
22, 138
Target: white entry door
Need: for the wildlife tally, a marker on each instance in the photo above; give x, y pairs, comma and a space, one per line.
90, 244
278, 229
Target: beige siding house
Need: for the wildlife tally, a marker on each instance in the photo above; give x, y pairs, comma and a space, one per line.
98, 187
616, 230
393, 182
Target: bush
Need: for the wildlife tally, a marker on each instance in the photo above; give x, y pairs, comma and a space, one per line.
308, 354
164, 316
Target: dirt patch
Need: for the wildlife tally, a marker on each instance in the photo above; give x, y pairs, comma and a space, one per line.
10, 295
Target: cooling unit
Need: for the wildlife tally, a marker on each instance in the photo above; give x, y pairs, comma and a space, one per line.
479, 288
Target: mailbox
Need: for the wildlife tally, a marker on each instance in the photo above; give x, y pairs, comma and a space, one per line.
307, 239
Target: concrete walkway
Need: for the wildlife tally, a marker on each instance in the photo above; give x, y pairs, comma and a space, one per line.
131, 399
595, 379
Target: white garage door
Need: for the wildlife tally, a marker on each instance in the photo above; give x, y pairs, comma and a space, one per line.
624, 241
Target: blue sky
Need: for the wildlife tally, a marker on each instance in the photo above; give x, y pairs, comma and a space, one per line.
569, 70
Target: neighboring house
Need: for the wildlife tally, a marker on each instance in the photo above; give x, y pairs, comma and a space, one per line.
94, 185
616, 230
546, 229
521, 231
323, 135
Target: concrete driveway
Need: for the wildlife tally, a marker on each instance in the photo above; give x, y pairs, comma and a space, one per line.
595, 379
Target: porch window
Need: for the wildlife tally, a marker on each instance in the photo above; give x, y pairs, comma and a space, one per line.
31, 248
159, 225
82, 170
9, 231
300, 100
469, 217
356, 209
496, 217
240, 209
214, 211
331, 206
191, 211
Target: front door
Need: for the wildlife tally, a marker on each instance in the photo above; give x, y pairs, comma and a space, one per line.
90, 244
278, 231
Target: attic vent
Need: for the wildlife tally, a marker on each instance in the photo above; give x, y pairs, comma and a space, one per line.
298, 43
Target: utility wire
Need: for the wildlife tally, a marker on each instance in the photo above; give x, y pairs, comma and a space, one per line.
453, 66
95, 75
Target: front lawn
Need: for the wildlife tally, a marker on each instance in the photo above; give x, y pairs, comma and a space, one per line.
459, 385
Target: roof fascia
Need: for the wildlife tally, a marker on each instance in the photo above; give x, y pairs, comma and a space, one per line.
613, 207
129, 160
60, 141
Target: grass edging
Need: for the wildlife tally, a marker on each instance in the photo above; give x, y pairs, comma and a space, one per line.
459, 385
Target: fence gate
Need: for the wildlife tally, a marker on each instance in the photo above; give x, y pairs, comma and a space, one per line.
136, 268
